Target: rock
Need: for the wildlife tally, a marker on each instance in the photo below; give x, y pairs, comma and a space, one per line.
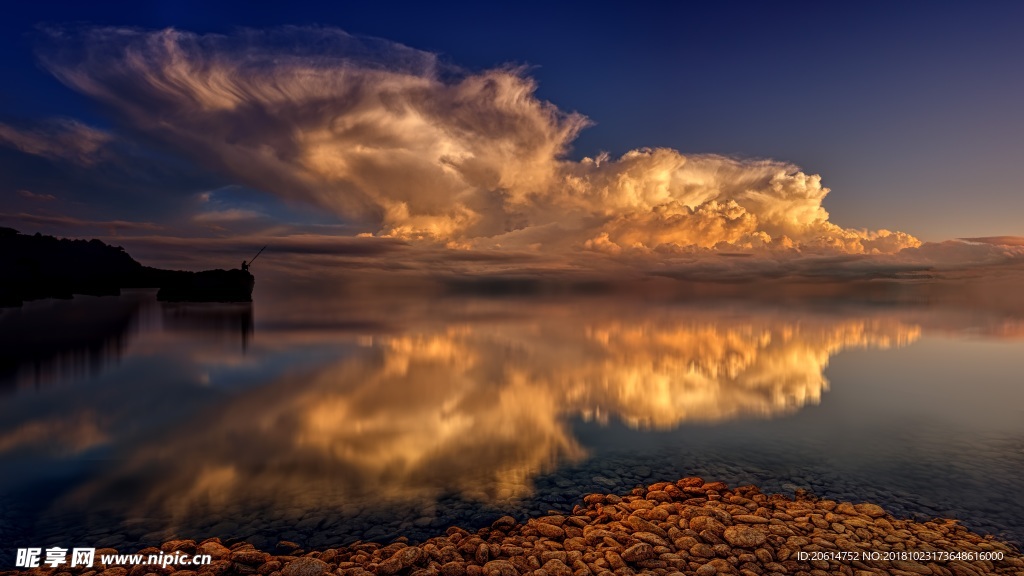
249, 557
214, 549
744, 536
409, 556
503, 523
554, 519
641, 525
702, 550
749, 519
638, 553
272, 566
708, 569
548, 555
873, 510
574, 544
614, 560
659, 496
390, 566
846, 508
183, 546
454, 569
701, 523
548, 530
555, 567
287, 547
652, 539
500, 568
482, 554
305, 567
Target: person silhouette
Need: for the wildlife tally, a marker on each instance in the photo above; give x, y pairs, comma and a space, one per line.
245, 267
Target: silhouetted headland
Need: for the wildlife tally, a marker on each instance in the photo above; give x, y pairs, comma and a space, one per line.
37, 266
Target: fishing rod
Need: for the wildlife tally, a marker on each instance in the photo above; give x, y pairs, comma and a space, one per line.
257, 255
245, 265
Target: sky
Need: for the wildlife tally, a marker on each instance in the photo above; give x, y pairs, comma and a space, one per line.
593, 130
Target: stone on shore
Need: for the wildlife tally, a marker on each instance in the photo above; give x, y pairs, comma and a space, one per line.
744, 537
305, 567
668, 529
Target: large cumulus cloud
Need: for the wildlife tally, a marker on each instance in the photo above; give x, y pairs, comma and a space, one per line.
405, 146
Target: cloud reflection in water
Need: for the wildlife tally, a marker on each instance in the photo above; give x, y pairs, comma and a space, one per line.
479, 408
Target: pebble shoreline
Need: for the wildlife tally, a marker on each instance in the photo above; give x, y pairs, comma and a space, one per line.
666, 529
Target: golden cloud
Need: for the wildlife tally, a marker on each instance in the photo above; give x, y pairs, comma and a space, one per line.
413, 149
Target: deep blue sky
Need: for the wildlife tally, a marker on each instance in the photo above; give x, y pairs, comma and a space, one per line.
911, 111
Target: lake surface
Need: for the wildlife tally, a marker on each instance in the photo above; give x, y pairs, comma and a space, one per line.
126, 422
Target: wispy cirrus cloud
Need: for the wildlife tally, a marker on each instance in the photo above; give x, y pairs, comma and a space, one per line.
227, 216
63, 139
997, 240
73, 225
30, 195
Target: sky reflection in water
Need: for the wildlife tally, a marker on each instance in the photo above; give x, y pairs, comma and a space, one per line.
204, 425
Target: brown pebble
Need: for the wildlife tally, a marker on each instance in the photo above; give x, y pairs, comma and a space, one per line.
659, 496
269, 567
750, 519
306, 567
453, 569
638, 552
548, 530
500, 568
214, 549
184, 546
482, 554
846, 508
702, 551
652, 539
641, 525
702, 523
744, 536
555, 567
873, 510
249, 556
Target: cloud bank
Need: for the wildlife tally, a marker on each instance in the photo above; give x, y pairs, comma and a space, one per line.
405, 146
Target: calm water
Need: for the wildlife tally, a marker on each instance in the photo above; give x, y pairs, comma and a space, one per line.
124, 421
